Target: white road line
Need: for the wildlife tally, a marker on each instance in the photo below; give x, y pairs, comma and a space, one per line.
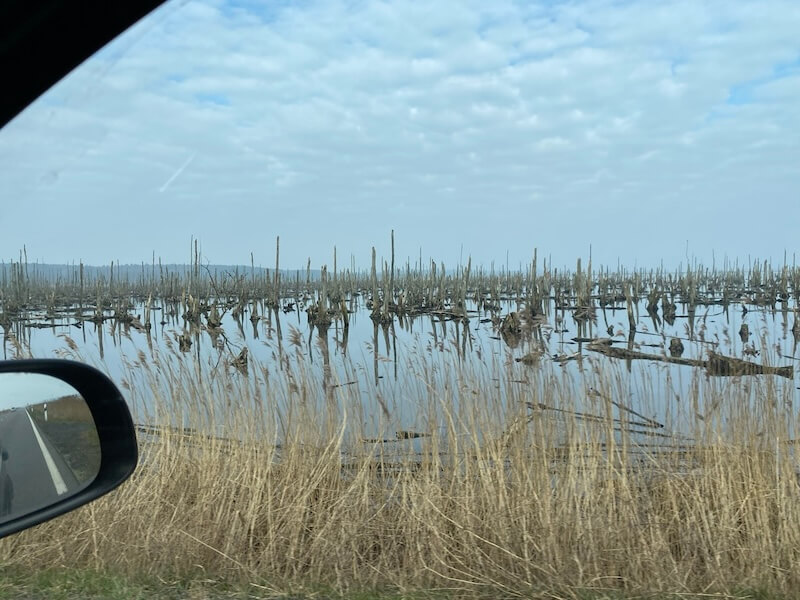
58, 481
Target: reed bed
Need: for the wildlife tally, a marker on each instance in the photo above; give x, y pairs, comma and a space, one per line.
515, 479
390, 287
282, 480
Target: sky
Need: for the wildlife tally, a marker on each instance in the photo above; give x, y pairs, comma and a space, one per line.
25, 389
643, 133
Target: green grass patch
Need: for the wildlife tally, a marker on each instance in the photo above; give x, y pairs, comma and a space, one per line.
74, 584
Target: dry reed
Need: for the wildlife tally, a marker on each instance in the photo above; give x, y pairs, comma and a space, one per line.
279, 479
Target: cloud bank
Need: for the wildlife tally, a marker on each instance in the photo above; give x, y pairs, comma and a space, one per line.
647, 132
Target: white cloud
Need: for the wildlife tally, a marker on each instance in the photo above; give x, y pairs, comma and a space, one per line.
670, 87
330, 123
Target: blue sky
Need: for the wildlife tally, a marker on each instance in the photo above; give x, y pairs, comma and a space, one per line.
648, 132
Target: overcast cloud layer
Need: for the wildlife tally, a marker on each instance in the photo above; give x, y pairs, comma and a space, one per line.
641, 130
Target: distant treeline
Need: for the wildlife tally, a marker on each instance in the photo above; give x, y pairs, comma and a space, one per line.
54, 273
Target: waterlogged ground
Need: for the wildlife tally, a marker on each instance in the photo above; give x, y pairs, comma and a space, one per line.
548, 361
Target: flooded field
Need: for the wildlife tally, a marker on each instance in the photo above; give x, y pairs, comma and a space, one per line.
560, 343
424, 425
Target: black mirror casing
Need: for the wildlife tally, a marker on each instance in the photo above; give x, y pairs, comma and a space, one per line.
115, 431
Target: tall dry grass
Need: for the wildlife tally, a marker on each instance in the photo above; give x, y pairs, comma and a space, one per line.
285, 492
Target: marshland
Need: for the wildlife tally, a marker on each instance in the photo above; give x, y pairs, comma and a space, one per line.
418, 426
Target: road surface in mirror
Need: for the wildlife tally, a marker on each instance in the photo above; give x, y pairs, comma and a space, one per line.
49, 444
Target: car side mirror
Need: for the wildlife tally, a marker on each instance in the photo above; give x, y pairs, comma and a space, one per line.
66, 438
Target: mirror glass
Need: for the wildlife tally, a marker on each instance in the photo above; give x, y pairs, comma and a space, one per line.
48, 442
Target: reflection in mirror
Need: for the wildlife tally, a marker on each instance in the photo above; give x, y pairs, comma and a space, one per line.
48, 443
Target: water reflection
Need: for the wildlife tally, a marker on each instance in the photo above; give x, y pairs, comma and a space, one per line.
349, 343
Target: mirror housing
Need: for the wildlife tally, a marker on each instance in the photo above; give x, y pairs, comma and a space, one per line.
112, 443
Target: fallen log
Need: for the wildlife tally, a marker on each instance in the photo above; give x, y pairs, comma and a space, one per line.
724, 366
717, 364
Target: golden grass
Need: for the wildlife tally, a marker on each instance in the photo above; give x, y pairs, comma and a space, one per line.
283, 491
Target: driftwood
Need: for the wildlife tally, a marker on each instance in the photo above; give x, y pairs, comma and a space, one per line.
42, 325
717, 364
399, 436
